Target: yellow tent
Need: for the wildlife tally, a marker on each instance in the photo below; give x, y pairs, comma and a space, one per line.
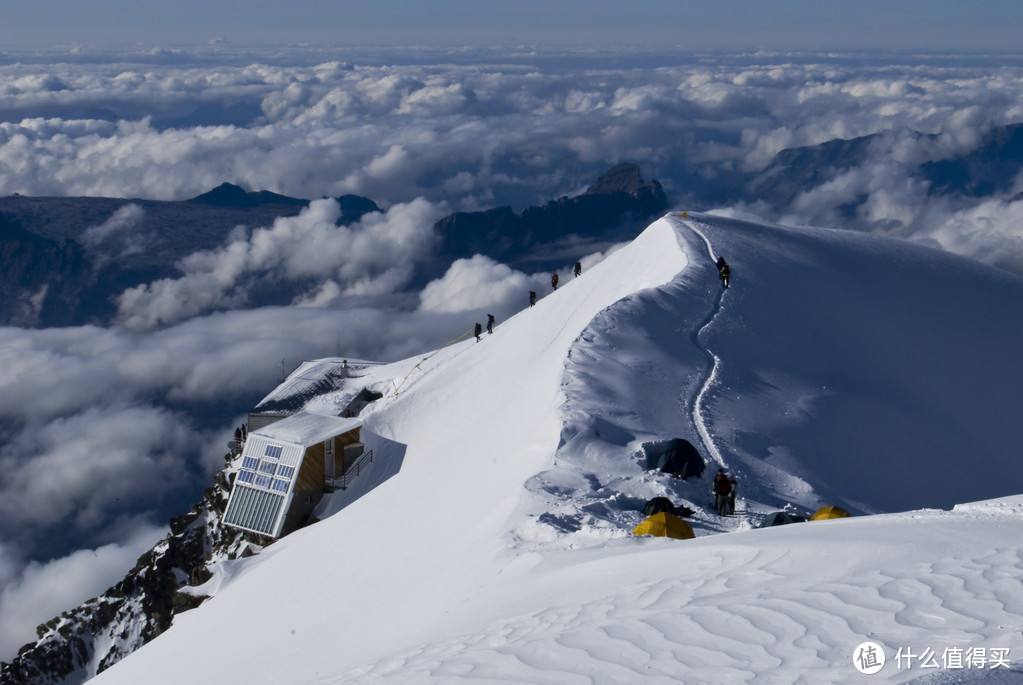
830, 512
666, 526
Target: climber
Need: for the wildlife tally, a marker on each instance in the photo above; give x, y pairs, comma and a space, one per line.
532, 298
490, 324
724, 271
722, 488
554, 281
478, 331
731, 494
578, 269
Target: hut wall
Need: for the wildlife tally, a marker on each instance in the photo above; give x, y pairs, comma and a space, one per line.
352, 437
308, 489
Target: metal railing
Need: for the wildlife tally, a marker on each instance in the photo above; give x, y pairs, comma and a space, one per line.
353, 471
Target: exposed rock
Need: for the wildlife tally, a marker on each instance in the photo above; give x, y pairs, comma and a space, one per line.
185, 601
230, 195
90, 638
53, 276
615, 208
621, 178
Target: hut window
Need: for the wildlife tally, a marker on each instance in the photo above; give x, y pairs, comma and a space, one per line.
246, 476
285, 471
280, 485
250, 463
267, 467
274, 451
262, 481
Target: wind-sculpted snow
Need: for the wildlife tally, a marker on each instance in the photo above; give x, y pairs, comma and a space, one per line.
780, 606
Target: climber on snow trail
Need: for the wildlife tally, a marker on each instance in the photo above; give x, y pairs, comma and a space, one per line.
578, 269
478, 331
724, 271
490, 324
722, 490
554, 281
532, 298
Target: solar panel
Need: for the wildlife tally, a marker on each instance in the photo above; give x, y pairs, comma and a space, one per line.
285, 471
250, 463
274, 451
262, 481
280, 485
246, 476
267, 467
254, 510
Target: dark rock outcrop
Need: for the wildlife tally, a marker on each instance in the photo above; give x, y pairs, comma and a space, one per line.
990, 169
90, 638
41, 277
615, 208
53, 277
230, 195
621, 178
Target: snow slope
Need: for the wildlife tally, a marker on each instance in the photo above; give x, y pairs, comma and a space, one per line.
781, 605
451, 569
840, 368
479, 420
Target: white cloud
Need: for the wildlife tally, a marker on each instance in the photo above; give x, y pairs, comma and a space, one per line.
81, 469
481, 285
120, 235
476, 284
376, 256
397, 132
39, 591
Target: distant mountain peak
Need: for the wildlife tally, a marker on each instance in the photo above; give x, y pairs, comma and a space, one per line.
225, 193
621, 178
354, 207
231, 195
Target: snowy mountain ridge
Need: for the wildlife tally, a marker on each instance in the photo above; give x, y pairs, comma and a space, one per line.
821, 376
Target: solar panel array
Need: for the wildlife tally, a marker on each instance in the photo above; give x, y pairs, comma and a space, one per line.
255, 510
262, 486
266, 473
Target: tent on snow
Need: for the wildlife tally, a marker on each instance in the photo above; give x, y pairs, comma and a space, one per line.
675, 456
659, 504
830, 512
781, 518
664, 525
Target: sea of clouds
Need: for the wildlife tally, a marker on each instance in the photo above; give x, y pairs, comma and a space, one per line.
109, 429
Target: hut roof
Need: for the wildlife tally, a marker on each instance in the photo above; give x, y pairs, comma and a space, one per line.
307, 428
309, 380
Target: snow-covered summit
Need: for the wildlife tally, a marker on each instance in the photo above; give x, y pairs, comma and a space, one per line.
840, 367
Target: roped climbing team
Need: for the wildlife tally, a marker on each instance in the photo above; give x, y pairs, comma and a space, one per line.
723, 267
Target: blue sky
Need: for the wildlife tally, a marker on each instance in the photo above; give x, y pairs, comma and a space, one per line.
924, 25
